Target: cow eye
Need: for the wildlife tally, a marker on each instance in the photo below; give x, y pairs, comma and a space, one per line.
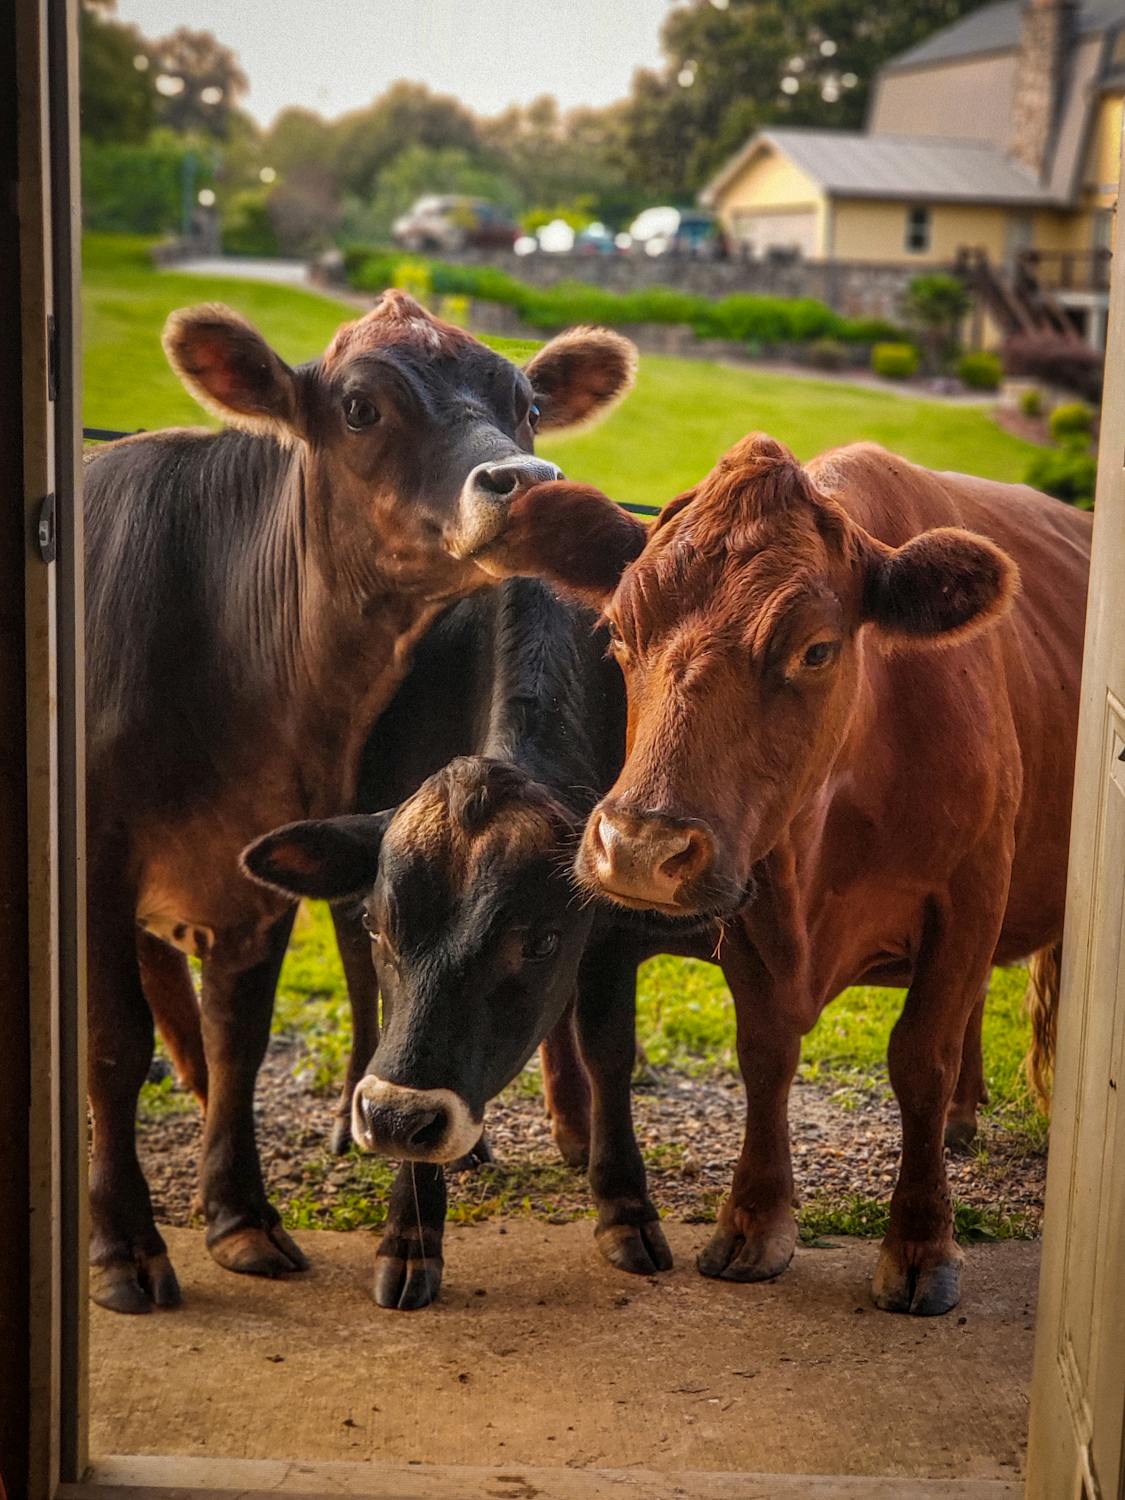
533, 416
359, 413
543, 945
819, 654
368, 925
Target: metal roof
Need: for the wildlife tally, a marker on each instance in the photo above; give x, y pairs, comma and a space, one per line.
851, 165
996, 28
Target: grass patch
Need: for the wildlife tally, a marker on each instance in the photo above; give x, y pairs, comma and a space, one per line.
868, 1218
163, 1098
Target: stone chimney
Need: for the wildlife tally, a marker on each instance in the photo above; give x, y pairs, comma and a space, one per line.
1048, 28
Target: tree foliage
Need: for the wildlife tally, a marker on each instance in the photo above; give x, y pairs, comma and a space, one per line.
117, 99
198, 83
735, 66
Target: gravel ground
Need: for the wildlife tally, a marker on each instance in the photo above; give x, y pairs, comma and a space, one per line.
845, 1146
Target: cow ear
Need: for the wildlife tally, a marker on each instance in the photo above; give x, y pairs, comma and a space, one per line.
580, 376
939, 589
229, 368
326, 858
569, 534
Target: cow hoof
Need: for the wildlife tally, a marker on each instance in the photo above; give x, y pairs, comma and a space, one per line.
259, 1252
135, 1286
960, 1135
730, 1256
480, 1156
926, 1291
406, 1283
640, 1249
573, 1148
340, 1136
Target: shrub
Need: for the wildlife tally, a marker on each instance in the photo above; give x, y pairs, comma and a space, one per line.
1031, 402
414, 277
135, 189
1056, 360
1065, 473
980, 371
1071, 424
829, 354
894, 361
247, 228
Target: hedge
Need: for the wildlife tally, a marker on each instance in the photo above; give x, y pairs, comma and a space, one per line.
742, 317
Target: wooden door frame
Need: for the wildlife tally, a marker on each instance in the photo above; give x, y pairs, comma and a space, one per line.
43, 1296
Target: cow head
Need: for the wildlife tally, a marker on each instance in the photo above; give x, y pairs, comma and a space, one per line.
741, 623
476, 937
415, 437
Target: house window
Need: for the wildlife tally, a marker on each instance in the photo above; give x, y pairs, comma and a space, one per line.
918, 229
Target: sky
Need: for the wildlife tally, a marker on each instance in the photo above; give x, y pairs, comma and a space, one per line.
335, 55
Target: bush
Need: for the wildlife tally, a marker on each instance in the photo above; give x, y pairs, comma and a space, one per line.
894, 361
1031, 402
1072, 424
1057, 361
742, 317
980, 371
1066, 474
135, 189
829, 354
247, 228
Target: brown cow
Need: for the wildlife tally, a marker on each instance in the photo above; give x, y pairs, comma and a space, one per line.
253, 598
806, 764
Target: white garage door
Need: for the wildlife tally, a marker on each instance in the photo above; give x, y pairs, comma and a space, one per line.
777, 229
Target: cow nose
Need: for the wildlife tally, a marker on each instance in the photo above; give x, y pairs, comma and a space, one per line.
507, 479
412, 1124
648, 858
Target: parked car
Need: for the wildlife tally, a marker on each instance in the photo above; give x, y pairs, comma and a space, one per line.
665, 230
449, 222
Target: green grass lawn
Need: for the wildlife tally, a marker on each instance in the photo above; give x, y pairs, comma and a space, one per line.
670, 431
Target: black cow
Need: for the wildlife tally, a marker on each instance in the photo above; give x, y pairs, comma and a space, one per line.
480, 946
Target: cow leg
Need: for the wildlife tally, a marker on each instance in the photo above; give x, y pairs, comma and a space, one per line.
130, 1269
166, 980
919, 1268
566, 1088
757, 1226
628, 1231
971, 1090
363, 996
409, 1262
244, 1231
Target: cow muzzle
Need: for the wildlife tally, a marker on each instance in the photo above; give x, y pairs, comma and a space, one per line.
487, 496
648, 859
434, 1125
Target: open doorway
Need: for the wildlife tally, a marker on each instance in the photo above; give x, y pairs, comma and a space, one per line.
292, 1344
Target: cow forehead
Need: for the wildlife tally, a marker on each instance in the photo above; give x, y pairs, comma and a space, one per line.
397, 321
426, 832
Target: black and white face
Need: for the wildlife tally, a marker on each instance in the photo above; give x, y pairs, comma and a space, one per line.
476, 938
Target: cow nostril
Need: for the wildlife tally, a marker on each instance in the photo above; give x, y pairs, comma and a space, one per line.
687, 860
427, 1130
498, 481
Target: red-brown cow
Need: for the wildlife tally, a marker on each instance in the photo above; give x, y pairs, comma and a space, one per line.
859, 805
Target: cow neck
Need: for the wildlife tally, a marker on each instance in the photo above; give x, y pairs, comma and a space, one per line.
343, 637
548, 694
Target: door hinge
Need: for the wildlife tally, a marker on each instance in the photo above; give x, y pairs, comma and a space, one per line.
45, 534
52, 357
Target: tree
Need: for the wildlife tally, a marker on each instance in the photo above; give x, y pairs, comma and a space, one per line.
937, 304
199, 83
408, 114
117, 99
734, 66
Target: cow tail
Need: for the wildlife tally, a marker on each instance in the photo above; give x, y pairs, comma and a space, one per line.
1044, 974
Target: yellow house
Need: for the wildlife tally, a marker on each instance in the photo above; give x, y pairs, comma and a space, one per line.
999, 136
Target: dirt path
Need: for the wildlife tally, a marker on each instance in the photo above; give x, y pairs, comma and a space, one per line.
540, 1353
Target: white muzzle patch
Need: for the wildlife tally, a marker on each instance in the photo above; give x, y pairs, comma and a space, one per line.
434, 1125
